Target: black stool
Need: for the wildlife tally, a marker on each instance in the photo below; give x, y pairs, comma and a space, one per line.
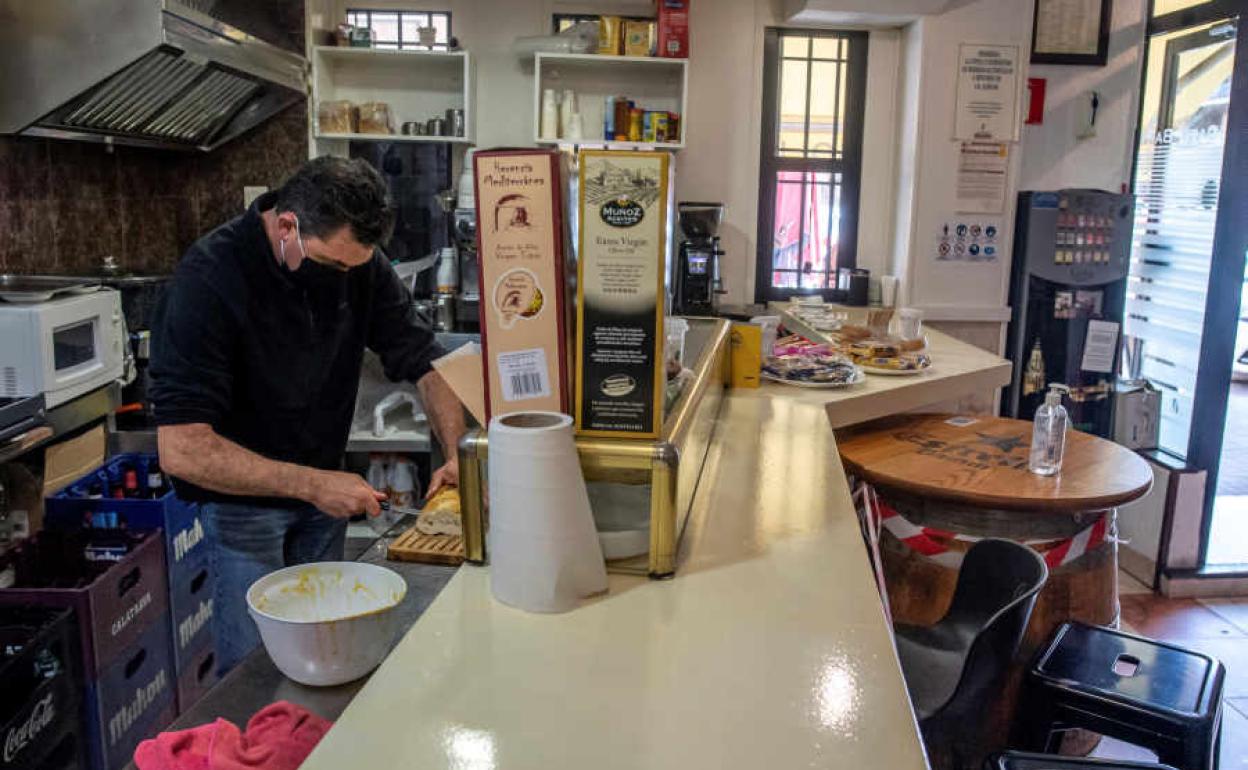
1019, 760
1152, 694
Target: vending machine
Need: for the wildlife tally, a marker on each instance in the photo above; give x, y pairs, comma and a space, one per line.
1072, 250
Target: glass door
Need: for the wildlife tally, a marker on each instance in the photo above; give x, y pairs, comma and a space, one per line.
1187, 266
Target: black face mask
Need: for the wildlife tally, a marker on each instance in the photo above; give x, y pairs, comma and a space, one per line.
311, 274
314, 275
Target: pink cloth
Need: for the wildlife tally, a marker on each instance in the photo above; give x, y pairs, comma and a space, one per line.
278, 737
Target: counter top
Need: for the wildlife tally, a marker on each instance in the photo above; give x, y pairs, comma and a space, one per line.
768, 649
958, 369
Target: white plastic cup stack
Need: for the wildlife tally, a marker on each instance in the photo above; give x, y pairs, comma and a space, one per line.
544, 549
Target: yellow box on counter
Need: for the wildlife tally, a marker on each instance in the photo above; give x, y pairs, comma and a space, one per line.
522, 280
747, 355
620, 376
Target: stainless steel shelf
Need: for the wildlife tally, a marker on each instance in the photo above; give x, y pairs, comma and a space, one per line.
66, 418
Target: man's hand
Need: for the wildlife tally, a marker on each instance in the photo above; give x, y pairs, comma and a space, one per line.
343, 495
446, 476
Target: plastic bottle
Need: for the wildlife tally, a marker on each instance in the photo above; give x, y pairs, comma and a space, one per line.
403, 485
378, 473
1048, 433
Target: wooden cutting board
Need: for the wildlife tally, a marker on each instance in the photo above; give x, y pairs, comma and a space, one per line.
414, 545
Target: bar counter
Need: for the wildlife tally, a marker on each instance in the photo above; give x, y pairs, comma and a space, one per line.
768, 649
958, 369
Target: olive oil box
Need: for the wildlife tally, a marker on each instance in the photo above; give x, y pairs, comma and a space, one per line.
521, 267
620, 377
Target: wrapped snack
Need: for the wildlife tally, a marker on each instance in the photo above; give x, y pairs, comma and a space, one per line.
375, 118
336, 117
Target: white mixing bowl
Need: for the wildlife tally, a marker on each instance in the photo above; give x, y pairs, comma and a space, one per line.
329, 622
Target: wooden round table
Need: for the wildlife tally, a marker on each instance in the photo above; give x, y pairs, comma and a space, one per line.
943, 481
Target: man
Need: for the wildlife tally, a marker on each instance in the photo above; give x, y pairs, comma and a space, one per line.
255, 364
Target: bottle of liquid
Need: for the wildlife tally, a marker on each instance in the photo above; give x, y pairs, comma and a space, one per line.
1048, 434
155, 480
130, 484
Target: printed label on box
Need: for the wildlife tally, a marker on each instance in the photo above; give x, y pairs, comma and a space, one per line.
522, 374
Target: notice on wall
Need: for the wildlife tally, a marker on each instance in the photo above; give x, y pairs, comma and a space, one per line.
987, 101
982, 169
1100, 346
967, 240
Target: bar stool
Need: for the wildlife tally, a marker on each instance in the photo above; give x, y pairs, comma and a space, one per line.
1021, 760
1156, 695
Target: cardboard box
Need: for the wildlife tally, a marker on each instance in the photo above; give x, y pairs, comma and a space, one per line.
673, 34
67, 460
747, 355
522, 280
639, 38
610, 35
621, 293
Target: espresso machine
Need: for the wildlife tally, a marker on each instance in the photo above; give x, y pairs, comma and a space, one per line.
696, 283
468, 299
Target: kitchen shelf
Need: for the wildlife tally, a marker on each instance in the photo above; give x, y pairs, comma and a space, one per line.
654, 83
417, 85
394, 138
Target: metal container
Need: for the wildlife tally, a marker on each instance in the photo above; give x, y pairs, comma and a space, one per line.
444, 312
317, 625
435, 127
413, 128
664, 470
455, 122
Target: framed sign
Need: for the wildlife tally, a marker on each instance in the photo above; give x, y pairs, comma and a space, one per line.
1071, 32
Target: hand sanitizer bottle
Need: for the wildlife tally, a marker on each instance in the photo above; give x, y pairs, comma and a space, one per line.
1048, 435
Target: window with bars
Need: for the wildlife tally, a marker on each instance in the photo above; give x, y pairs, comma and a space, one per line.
401, 29
814, 88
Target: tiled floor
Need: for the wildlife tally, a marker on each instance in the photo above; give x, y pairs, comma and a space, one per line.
1218, 627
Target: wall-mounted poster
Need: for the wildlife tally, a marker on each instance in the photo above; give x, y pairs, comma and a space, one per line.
988, 85
1071, 32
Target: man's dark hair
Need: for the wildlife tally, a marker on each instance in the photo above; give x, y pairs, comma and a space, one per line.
329, 192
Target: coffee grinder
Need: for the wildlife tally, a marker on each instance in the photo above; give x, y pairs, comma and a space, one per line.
696, 284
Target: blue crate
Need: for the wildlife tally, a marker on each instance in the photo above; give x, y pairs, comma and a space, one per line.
132, 700
198, 674
192, 611
185, 539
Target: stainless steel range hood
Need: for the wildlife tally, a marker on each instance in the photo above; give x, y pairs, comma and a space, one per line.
153, 73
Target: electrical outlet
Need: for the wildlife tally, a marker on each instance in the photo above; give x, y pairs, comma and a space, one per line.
250, 193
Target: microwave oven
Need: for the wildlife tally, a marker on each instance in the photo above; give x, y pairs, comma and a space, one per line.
62, 347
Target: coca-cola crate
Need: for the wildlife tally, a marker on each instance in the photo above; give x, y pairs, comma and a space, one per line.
66, 751
132, 700
40, 676
115, 602
192, 610
185, 543
197, 675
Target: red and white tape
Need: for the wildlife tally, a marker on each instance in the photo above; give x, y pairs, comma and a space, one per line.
941, 546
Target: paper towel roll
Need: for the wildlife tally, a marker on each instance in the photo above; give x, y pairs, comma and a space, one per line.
544, 550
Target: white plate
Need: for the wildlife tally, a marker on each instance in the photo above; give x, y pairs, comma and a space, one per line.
858, 377
894, 372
